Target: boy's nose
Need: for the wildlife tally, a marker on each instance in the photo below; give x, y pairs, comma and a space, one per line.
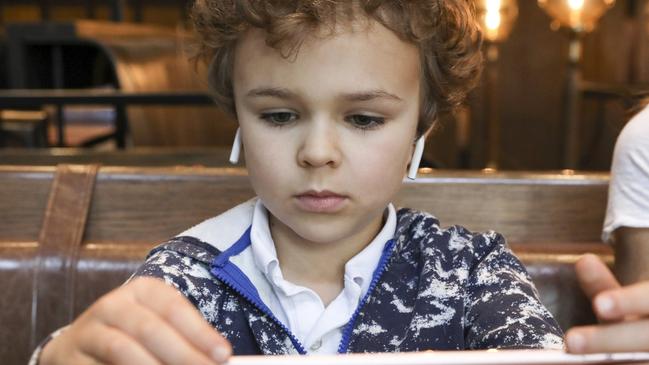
319, 148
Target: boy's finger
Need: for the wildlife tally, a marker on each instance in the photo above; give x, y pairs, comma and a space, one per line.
627, 301
618, 337
153, 333
169, 304
113, 347
594, 276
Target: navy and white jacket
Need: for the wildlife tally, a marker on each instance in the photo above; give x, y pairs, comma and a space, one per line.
433, 289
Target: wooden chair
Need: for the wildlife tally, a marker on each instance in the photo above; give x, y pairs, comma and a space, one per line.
133, 58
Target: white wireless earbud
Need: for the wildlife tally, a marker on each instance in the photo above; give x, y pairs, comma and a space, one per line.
236, 148
416, 157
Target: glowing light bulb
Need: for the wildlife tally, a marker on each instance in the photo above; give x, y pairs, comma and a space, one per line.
492, 21
576, 4
492, 17
493, 6
497, 18
579, 15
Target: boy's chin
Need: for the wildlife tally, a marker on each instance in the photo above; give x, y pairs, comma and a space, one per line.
323, 232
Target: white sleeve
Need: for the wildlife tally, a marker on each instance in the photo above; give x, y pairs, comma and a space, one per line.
628, 194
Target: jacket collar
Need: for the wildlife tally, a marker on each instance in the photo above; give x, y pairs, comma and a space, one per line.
224, 230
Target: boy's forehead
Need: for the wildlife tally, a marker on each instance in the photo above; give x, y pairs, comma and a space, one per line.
306, 34
364, 54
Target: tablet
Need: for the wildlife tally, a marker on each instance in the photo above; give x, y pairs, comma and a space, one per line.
478, 357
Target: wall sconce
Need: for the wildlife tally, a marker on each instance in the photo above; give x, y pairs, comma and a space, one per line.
579, 17
497, 18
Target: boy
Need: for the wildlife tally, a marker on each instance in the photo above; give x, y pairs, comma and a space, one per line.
333, 100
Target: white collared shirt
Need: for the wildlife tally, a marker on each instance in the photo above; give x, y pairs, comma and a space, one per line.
318, 328
628, 195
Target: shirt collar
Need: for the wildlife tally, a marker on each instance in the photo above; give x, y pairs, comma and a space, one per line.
262, 245
359, 268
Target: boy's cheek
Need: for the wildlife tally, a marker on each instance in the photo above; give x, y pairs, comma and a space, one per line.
389, 165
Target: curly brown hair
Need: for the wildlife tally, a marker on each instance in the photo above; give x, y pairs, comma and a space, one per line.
445, 31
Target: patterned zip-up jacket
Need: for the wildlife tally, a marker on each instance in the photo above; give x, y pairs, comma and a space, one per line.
433, 289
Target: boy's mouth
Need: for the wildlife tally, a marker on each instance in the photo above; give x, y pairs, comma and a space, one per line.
324, 201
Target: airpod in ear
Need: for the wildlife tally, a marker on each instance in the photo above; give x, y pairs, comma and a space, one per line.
416, 157
236, 148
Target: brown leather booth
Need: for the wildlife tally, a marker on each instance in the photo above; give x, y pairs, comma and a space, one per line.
71, 233
137, 156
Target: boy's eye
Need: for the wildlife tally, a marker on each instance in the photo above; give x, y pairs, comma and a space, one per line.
365, 121
279, 118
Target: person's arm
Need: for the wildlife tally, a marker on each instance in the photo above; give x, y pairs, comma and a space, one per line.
503, 309
143, 322
149, 320
626, 225
631, 254
623, 311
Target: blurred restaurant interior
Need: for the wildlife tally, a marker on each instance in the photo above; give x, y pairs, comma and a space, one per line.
556, 90
112, 82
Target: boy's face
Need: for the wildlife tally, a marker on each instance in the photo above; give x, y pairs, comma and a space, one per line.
328, 135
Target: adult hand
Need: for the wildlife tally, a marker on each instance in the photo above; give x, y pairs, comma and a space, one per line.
143, 322
622, 311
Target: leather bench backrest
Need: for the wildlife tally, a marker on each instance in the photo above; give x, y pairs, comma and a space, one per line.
549, 219
538, 207
158, 157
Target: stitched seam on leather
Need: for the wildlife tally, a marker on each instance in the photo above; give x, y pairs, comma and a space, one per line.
71, 193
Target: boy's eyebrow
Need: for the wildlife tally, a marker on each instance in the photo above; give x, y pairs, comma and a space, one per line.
369, 95
282, 93
271, 91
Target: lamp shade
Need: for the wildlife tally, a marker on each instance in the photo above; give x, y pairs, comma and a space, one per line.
578, 15
497, 18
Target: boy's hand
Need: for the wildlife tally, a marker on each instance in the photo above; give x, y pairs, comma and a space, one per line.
623, 311
143, 322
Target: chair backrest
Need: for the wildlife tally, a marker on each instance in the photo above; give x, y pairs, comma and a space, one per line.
549, 218
525, 207
133, 58
150, 157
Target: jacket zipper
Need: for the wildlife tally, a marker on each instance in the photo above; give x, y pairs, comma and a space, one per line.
223, 260
261, 308
219, 268
383, 263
